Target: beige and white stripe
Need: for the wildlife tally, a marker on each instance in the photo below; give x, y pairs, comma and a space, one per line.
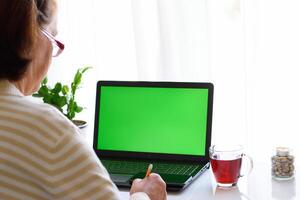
42, 155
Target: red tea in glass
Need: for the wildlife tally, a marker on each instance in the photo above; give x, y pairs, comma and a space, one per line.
226, 171
226, 163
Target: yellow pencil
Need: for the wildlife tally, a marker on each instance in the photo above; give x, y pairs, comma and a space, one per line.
149, 170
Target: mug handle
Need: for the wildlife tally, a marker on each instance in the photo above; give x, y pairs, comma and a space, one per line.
251, 164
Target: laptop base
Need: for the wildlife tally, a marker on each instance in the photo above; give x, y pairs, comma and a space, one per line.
175, 182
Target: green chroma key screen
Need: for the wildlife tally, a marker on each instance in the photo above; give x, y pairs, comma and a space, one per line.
153, 119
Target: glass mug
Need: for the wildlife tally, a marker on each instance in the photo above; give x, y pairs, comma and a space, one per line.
226, 163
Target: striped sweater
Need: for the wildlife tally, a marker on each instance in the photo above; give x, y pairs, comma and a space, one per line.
42, 155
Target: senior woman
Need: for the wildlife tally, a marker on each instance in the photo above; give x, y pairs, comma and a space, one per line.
41, 154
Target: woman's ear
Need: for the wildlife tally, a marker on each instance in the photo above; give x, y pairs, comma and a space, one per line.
37, 68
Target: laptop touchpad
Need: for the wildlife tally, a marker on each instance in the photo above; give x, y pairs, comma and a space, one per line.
120, 178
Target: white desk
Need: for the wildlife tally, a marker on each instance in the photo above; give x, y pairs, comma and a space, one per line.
257, 186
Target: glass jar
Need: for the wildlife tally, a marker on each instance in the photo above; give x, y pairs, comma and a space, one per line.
283, 164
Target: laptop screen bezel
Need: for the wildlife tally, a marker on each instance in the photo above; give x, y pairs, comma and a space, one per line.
154, 156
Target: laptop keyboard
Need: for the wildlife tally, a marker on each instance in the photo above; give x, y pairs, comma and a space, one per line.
132, 167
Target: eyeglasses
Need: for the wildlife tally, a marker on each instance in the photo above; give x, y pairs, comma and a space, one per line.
58, 47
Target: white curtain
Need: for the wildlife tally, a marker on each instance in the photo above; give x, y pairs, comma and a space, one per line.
248, 49
171, 40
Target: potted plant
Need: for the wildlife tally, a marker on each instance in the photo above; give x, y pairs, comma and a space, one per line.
63, 97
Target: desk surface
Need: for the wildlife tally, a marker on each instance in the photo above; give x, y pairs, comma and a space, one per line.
257, 186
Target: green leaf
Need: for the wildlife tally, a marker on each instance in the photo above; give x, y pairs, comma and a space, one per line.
70, 106
45, 81
74, 88
78, 109
57, 88
43, 91
55, 99
77, 78
72, 115
36, 95
62, 101
65, 89
59, 101
85, 69
47, 99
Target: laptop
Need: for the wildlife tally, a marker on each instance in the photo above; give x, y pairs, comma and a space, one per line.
167, 124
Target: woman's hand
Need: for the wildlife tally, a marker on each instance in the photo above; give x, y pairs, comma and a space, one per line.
153, 186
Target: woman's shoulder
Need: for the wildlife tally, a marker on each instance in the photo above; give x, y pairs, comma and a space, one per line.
36, 114
42, 108
50, 112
